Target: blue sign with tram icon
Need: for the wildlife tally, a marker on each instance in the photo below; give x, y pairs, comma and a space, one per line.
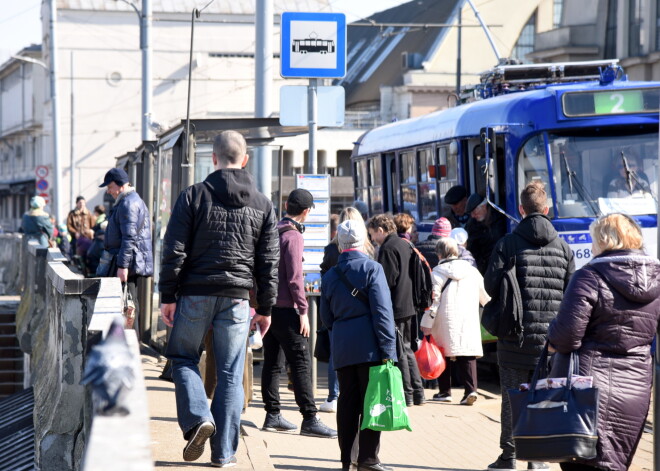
313, 45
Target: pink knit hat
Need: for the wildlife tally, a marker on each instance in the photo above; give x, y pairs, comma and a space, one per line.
441, 227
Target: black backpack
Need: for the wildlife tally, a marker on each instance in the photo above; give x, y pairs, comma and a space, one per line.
422, 281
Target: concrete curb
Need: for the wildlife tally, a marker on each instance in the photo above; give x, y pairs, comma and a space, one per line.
256, 446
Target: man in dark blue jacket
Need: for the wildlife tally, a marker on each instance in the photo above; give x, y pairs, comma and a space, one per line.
128, 234
220, 238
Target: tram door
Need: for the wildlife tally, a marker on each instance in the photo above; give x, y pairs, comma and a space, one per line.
392, 196
494, 176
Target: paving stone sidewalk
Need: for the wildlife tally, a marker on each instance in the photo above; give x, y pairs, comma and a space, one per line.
444, 437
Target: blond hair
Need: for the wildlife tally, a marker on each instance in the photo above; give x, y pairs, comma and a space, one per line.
352, 214
616, 231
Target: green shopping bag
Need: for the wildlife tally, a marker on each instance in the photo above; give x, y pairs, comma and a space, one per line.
384, 403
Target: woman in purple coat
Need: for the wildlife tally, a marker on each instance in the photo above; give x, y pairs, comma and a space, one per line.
609, 315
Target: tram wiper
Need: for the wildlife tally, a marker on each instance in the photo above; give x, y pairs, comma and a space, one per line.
574, 181
633, 181
629, 176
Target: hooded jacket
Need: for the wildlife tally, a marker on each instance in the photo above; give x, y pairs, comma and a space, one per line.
609, 315
544, 265
221, 235
454, 315
128, 234
291, 288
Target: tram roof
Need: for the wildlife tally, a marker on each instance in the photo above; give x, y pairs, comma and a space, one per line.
466, 120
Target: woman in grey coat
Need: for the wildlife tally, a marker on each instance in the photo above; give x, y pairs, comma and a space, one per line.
609, 315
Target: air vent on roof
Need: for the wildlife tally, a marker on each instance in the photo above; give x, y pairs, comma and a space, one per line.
411, 60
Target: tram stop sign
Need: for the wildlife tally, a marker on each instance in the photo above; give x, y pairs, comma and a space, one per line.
313, 45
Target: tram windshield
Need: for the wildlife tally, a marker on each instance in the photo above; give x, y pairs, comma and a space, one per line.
597, 174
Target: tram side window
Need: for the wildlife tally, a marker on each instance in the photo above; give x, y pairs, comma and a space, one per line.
447, 169
532, 166
361, 180
409, 183
376, 185
427, 185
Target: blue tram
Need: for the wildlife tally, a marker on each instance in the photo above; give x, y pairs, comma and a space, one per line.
582, 128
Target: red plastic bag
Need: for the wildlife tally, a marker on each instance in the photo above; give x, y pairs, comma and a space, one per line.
429, 358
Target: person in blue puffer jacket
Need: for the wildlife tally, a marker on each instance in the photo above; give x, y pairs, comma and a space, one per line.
363, 335
128, 234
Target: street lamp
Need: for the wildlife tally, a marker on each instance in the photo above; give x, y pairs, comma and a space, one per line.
145, 47
191, 170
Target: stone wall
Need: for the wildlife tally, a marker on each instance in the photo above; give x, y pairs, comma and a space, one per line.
10, 263
60, 316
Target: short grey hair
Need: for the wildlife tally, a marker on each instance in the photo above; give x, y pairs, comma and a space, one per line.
446, 247
230, 147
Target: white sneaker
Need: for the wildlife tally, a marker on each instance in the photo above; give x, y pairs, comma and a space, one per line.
469, 399
329, 406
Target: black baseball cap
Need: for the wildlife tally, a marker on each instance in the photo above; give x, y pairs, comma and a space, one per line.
455, 194
116, 175
300, 199
473, 201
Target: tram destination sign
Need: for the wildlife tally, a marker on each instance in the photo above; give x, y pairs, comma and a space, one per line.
611, 102
313, 45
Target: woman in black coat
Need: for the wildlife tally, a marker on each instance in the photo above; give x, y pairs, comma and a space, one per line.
609, 315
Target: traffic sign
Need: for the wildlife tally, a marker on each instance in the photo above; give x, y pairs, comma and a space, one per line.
42, 185
313, 45
46, 197
41, 171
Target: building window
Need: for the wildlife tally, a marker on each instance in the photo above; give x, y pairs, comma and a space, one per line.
557, 10
610, 31
525, 43
636, 28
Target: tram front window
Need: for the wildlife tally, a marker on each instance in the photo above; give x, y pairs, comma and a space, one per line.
603, 174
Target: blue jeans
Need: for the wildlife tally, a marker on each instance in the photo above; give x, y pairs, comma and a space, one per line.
333, 383
229, 319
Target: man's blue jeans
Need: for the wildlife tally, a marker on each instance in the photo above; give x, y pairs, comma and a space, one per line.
228, 317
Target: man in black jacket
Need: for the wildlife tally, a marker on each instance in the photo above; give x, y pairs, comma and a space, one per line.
544, 265
485, 227
394, 255
221, 235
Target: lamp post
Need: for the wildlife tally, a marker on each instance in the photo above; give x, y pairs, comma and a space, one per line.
145, 48
188, 162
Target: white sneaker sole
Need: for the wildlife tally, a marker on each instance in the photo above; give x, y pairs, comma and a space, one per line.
469, 400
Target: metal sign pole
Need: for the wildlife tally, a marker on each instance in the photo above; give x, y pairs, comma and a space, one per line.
311, 161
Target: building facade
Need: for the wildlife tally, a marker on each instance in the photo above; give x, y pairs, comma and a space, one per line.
99, 89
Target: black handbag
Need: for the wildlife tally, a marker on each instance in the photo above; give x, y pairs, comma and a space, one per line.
554, 425
322, 346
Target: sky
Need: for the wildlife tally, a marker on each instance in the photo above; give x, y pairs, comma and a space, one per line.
20, 23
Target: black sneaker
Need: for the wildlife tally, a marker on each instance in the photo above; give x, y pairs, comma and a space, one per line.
442, 397
419, 401
537, 465
502, 464
277, 423
198, 436
315, 428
